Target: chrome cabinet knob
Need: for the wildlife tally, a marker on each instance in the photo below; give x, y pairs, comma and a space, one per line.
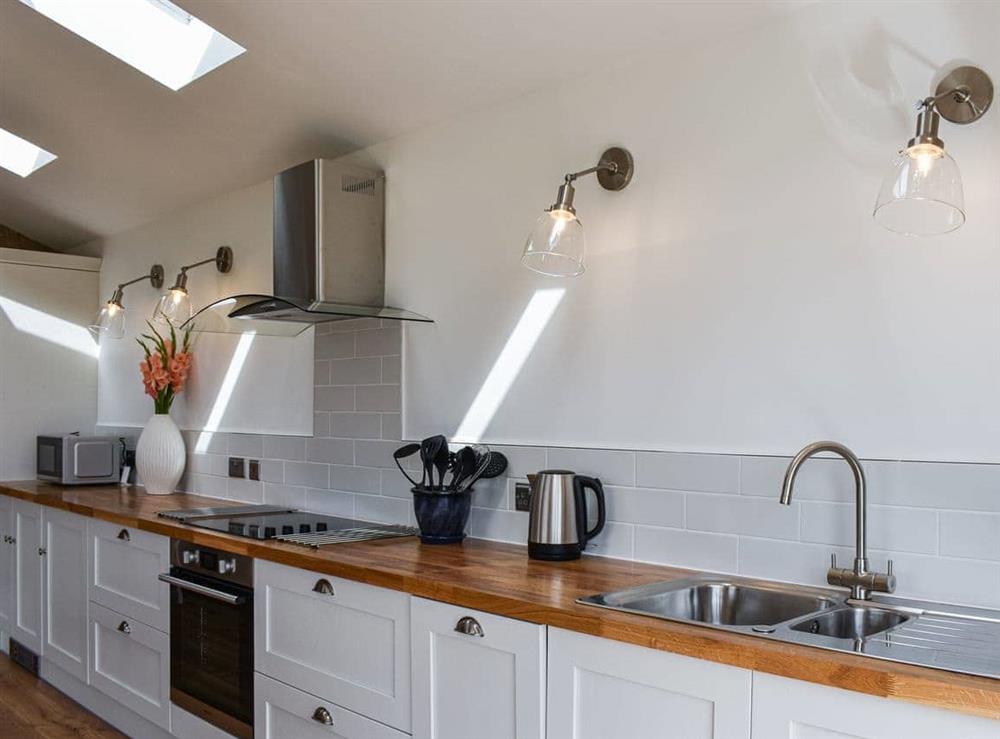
42, 551
322, 716
124, 535
124, 627
469, 626
323, 587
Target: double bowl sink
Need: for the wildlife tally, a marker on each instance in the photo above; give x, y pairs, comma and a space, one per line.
756, 607
959, 639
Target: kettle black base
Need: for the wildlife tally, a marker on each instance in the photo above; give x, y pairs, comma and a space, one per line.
554, 552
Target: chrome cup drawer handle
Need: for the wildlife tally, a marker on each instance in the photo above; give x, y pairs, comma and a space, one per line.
322, 716
323, 587
124, 535
469, 626
124, 627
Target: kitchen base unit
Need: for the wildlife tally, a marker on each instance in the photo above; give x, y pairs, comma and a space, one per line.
475, 674
784, 708
602, 689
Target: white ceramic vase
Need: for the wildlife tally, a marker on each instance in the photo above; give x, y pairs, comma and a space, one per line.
160, 455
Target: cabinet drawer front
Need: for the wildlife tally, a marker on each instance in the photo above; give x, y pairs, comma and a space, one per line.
130, 662
475, 674
610, 690
66, 600
351, 646
124, 570
281, 712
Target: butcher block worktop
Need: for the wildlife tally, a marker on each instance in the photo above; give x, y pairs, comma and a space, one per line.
500, 578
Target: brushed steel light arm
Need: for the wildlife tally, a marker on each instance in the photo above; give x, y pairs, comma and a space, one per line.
223, 261
155, 277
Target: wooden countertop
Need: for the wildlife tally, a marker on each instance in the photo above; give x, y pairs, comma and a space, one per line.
500, 578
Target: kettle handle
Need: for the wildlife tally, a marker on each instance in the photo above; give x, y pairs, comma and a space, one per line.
581, 484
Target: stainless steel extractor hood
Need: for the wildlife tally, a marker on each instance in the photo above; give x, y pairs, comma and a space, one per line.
328, 251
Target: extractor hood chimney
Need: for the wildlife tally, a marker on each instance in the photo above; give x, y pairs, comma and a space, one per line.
328, 251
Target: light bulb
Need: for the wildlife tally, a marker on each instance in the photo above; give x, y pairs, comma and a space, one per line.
925, 156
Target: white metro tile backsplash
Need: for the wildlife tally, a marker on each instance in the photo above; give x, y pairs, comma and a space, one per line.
940, 523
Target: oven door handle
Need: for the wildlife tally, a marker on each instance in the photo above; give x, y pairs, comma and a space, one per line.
233, 600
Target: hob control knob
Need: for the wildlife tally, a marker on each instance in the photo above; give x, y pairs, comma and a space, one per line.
227, 566
190, 556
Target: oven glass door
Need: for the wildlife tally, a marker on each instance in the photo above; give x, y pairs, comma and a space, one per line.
211, 646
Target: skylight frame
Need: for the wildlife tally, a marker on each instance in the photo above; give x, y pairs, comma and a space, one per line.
20, 156
156, 37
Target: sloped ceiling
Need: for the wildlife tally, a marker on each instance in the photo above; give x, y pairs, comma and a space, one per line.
318, 79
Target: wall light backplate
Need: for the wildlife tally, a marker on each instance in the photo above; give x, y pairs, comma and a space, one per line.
980, 88
626, 166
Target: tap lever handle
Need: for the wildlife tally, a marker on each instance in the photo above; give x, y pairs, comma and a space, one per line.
833, 560
889, 566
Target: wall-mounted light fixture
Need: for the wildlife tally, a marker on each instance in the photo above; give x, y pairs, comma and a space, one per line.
922, 194
110, 321
556, 245
174, 306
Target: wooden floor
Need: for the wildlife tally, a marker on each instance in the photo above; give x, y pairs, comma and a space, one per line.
32, 708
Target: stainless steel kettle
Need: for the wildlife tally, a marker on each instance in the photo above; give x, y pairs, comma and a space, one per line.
557, 528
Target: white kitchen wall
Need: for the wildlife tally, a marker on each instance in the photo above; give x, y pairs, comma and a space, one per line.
739, 297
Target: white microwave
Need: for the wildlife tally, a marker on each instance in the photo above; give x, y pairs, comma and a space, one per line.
72, 459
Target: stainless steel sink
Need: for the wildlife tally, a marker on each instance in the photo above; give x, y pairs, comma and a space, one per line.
719, 602
850, 623
955, 638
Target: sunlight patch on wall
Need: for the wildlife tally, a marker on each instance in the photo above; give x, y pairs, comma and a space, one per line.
225, 392
49, 328
507, 367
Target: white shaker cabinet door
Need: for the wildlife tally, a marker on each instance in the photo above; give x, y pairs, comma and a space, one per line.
26, 624
65, 603
475, 674
6, 567
784, 708
282, 712
603, 689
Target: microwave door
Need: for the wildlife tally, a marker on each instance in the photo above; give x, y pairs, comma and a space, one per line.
48, 463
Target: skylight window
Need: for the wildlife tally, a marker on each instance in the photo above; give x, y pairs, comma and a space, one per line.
20, 156
154, 36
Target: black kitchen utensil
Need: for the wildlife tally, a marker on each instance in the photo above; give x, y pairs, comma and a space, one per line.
482, 455
465, 465
404, 451
496, 466
429, 450
441, 461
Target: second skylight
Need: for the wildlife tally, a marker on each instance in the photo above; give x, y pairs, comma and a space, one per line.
154, 36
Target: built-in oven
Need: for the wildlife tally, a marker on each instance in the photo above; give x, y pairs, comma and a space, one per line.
211, 635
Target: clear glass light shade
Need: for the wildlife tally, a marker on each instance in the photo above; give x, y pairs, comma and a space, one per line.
922, 193
556, 246
174, 307
110, 321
